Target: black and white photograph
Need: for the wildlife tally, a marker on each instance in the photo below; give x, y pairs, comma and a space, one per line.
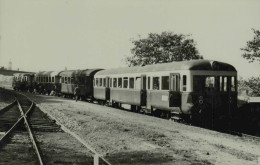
129, 82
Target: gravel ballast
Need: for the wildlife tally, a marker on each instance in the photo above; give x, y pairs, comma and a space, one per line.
124, 137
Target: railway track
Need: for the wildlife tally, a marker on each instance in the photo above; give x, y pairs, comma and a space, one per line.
30, 136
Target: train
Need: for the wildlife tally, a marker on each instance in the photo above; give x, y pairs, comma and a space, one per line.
201, 91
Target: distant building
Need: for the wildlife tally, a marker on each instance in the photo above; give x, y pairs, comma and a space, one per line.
10, 65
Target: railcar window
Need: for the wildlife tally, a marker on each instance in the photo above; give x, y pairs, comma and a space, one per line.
174, 82
165, 83
114, 82
210, 82
104, 82
225, 84
184, 82
156, 83
97, 82
66, 80
100, 82
131, 82
148, 83
72, 80
69, 80
49, 79
125, 82
120, 82
233, 84
138, 83
110, 83
204, 83
52, 79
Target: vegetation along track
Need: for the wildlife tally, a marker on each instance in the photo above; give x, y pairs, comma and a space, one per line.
29, 136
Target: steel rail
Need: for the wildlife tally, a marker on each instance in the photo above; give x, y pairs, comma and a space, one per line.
8, 106
78, 138
72, 134
11, 129
24, 115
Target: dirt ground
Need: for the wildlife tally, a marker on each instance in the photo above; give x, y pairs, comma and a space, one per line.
5, 98
124, 137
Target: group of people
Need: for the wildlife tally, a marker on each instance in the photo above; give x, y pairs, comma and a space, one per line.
42, 90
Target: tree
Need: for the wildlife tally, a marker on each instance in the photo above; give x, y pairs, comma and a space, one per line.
252, 50
162, 48
254, 84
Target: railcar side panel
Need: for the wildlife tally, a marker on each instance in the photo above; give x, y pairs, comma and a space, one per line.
128, 96
159, 100
100, 93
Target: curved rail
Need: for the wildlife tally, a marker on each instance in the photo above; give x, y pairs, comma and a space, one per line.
24, 115
20, 119
8, 106
91, 149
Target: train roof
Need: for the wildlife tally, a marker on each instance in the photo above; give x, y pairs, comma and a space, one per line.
178, 65
48, 73
22, 74
85, 72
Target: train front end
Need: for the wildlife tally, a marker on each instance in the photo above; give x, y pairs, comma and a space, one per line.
213, 98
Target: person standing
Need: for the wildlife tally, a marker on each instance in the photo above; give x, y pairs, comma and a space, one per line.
76, 93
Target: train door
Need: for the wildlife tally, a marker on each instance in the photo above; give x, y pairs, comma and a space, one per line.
143, 90
107, 89
174, 93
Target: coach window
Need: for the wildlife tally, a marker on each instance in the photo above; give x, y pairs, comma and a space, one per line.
100, 82
49, 79
52, 79
120, 82
149, 82
114, 82
165, 83
233, 84
138, 83
225, 84
72, 80
110, 82
125, 82
66, 80
69, 82
131, 82
96, 82
184, 82
156, 83
104, 82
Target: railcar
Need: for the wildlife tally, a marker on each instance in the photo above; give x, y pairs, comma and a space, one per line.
200, 90
48, 81
80, 78
23, 81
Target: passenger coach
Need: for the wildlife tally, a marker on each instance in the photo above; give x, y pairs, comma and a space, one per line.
81, 78
23, 81
48, 81
200, 90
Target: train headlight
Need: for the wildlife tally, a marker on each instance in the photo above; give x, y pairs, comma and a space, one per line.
201, 100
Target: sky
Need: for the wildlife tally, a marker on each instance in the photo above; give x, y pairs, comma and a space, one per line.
45, 35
